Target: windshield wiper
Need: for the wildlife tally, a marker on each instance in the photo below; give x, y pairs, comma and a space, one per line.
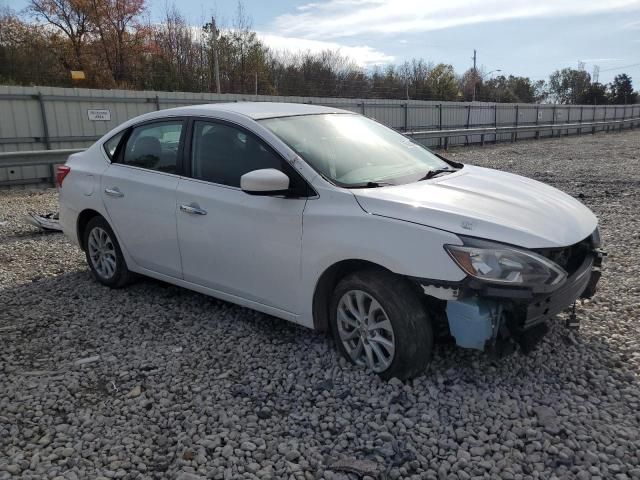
370, 185
437, 171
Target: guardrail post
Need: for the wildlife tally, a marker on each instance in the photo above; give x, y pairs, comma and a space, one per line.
624, 116
593, 119
537, 121
406, 116
45, 125
553, 120
440, 124
364, 109
446, 143
52, 173
495, 122
514, 135
581, 113
466, 138
157, 100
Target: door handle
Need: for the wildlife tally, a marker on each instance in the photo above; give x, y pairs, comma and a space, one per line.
113, 192
193, 209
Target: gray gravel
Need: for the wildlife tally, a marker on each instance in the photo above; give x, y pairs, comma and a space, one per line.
158, 382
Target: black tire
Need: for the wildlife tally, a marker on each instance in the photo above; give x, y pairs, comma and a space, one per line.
412, 329
121, 275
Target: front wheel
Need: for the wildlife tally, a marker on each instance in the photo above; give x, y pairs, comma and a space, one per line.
103, 254
378, 322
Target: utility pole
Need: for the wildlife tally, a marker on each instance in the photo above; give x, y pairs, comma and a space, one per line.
475, 75
216, 66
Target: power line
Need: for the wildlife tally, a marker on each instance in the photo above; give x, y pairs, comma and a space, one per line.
619, 68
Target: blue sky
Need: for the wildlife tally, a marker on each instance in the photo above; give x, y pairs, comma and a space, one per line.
530, 38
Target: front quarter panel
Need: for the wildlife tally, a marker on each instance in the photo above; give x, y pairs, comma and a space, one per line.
335, 228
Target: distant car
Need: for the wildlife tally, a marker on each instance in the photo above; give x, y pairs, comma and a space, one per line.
331, 220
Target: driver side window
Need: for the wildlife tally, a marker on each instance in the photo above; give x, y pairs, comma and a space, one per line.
154, 146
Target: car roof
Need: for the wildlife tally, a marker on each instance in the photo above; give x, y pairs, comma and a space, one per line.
260, 110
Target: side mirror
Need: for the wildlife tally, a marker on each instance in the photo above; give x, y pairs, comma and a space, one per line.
266, 181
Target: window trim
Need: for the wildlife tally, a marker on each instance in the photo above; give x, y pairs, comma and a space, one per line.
180, 167
187, 172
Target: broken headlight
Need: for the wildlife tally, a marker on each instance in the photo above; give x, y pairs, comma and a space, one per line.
497, 263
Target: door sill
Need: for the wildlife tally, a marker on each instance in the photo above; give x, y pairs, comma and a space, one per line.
276, 312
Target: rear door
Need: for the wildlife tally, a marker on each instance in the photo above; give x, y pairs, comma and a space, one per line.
139, 193
244, 245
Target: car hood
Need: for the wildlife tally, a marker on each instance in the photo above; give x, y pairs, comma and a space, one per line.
486, 203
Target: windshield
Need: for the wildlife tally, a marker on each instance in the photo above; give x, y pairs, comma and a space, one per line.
354, 151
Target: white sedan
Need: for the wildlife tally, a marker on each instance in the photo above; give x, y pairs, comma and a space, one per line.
328, 219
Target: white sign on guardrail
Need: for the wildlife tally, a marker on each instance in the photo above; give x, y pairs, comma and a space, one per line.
99, 115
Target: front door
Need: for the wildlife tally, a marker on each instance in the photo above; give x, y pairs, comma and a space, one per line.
139, 193
240, 244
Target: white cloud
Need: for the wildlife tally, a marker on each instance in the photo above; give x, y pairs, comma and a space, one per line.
344, 18
362, 55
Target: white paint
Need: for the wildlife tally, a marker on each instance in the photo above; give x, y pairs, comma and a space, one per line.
253, 250
264, 180
498, 205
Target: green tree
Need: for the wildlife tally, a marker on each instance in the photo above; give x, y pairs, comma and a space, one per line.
596, 94
442, 83
569, 86
509, 89
621, 90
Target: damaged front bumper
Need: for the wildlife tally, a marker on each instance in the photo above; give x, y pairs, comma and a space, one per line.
483, 316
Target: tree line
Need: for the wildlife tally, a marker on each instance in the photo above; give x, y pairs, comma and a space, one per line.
115, 45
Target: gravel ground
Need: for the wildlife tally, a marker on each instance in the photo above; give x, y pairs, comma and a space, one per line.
158, 382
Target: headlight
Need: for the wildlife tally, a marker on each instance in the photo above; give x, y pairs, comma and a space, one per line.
497, 263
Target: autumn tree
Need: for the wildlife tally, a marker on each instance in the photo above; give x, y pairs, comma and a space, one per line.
71, 17
470, 81
28, 53
112, 21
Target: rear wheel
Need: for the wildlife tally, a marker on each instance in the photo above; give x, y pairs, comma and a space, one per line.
103, 254
378, 322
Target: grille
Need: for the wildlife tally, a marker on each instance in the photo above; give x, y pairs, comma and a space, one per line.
570, 258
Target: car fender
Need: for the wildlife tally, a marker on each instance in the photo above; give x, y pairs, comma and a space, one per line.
337, 229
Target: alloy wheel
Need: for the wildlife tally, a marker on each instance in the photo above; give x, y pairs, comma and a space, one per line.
102, 252
365, 330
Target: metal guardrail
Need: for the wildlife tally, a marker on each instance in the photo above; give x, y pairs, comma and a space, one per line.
31, 167
515, 129
44, 161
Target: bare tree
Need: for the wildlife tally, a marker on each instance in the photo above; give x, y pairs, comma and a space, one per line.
69, 16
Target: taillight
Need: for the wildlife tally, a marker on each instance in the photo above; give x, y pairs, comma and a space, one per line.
62, 172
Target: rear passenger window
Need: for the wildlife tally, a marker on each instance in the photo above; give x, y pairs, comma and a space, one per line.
154, 146
111, 144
